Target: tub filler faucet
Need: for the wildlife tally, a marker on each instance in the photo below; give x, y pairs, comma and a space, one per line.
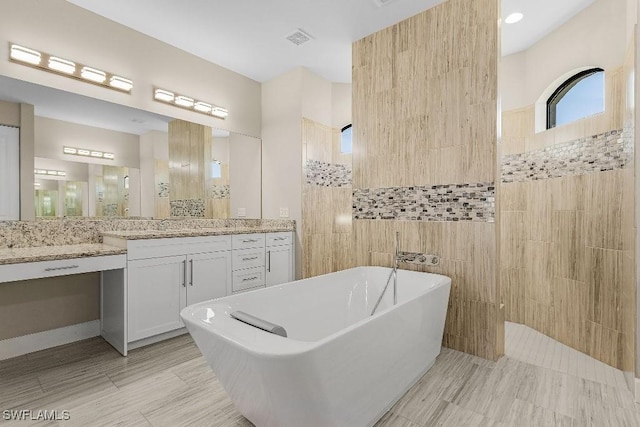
407, 258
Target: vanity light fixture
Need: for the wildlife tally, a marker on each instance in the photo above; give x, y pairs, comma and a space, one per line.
88, 153
49, 172
121, 83
203, 107
64, 67
184, 101
163, 95
189, 103
24, 54
220, 112
93, 74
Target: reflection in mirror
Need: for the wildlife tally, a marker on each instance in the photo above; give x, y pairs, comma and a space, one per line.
136, 181
234, 189
46, 198
114, 196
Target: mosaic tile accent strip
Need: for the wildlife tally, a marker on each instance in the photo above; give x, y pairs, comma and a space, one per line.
110, 209
453, 202
328, 174
163, 189
219, 192
187, 208
598, 153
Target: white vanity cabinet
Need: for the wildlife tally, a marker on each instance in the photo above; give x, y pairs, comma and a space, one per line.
166, 275
279, 254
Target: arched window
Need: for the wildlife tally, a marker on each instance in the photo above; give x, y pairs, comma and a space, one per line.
345, 141
580, 96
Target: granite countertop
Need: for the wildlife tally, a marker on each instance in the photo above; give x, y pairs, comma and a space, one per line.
192, 232
50, 253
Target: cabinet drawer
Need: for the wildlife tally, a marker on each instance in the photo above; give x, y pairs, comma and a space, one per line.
279, 239
246, 241
175, 246
40, 269
250, 278
247, 258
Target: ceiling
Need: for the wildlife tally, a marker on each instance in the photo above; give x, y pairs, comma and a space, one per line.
254, 44
249, 36
540, 18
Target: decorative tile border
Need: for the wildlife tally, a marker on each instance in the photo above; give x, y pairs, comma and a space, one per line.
187, 208
328, 174
607, 151
453, 202
219, 192
110, 209
163, 189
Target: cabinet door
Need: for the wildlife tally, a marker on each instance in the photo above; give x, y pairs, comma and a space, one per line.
209, 276
156, 294
279, 265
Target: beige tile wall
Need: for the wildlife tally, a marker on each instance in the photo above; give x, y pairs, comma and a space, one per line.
629, 229
425, 113
326, 211
563, 247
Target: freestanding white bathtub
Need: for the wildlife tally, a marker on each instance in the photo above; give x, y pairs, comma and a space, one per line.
339, 366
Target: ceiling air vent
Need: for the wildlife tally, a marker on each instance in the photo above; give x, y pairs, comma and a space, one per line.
298, 37
381, 3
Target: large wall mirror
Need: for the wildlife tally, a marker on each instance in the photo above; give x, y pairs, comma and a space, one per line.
98, 159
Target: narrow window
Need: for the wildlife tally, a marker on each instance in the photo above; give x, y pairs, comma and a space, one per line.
578, 97
345, 142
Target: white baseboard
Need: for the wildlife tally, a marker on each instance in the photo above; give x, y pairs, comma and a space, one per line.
637, 391
18, 346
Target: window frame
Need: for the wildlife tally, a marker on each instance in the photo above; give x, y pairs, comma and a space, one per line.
562, 90
341, 132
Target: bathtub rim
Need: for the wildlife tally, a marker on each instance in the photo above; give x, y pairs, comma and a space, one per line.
265, 344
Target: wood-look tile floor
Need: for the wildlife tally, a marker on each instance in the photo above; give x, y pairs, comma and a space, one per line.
170, 384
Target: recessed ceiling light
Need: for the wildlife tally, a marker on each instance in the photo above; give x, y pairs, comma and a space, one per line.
513, 18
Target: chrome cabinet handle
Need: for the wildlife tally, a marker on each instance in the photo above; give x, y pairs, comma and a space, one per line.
250, 259
68, 267
248, 279
250, 241
268, 261
191, 268
280, 238
184, 273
